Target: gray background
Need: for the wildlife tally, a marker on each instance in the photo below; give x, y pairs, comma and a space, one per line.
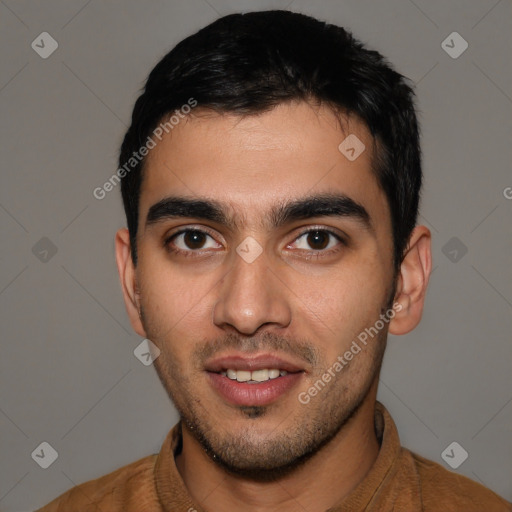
68, 373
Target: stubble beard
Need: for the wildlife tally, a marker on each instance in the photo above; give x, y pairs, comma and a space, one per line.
300, 437
293, 442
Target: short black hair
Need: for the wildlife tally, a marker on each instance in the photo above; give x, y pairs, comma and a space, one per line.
249, 63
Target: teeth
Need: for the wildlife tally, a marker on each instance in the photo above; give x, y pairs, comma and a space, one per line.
243, 376
260, 375
255, 376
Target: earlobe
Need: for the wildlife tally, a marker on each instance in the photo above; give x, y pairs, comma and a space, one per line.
127, 276
413, 281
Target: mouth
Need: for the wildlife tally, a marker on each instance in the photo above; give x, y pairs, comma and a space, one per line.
253, 381
255, 376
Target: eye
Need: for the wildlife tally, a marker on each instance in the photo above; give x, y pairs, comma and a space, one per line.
318, 240
189, 241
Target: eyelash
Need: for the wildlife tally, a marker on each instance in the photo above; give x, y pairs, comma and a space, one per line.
318, 253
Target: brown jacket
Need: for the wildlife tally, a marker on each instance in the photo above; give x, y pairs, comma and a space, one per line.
399, 481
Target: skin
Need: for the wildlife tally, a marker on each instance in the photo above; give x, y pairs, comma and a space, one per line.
306, 309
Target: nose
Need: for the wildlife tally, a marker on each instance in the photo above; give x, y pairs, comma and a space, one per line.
251, 296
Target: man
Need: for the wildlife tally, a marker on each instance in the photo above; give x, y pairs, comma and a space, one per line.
271, 179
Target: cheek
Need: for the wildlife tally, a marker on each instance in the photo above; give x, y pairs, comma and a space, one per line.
172, 301
345, 293
171, 289
337, 307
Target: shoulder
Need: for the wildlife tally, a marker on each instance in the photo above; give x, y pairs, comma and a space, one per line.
454, 492
115, 490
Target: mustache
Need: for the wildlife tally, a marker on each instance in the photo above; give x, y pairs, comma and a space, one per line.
266, 342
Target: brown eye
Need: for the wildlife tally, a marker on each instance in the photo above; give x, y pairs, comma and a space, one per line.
194, 239
318, 240
189, 242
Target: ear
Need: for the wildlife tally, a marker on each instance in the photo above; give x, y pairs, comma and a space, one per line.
412, 282
128, 279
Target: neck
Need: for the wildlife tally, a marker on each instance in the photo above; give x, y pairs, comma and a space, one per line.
319, 484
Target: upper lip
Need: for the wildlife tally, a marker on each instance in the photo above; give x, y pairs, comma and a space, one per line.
250, 363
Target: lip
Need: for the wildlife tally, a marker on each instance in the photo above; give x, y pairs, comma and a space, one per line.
251, 363
255, 394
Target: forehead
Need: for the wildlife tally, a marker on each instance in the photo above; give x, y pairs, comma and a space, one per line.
251, 163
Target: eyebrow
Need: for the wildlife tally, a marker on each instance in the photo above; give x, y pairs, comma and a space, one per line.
322, 205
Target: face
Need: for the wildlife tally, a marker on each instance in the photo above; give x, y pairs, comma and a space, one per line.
273, 256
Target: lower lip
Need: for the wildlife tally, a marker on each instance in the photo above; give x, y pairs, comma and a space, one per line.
262, 393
